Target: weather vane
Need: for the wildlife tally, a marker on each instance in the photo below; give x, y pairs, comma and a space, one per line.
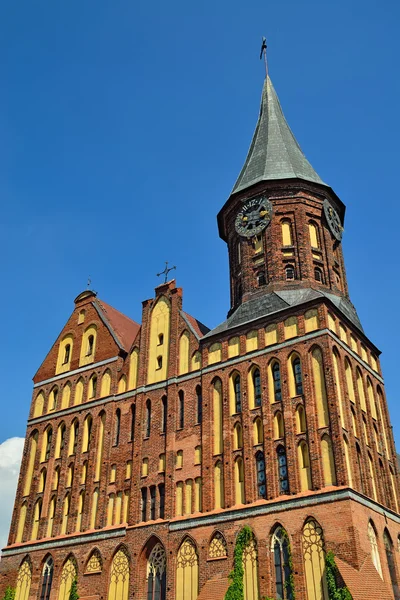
263, 52
166, 271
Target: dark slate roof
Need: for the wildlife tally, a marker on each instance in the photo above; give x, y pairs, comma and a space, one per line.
275, 302
274, 152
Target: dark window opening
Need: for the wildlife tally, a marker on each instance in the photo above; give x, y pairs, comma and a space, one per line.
67, 352
117, 426
143, 508
238, 394
318, 275
76, 435
282, 566
276, 374
164, 414
298, 376
90, 345
148, 418
161, 493
199, 404
261, 479
152, 502
160, 339
47, 579
181, 415
282, 470
133, 416
48, 443
159, 362
290, 273
257, 387
261, 280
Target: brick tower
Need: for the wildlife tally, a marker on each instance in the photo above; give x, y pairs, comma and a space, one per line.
154, 450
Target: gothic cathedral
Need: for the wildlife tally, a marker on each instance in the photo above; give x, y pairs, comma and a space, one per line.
162, 457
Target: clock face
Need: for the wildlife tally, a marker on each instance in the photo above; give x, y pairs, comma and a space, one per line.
253, 217
333, 219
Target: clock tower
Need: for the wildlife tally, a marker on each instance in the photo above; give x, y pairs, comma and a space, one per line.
283, 225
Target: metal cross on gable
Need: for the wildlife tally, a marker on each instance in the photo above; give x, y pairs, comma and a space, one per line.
166, 271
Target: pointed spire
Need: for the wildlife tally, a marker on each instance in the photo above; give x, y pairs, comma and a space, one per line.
274, 152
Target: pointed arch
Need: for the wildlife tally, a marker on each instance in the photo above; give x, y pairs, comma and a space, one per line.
314, 234
239, 481
133, 369
261, 478
301, 425
68, 574
237, 436
87, 433
279, 429
196, 361
156, 572
235, 393
32, 449
371, 398
275, 381
217, 548
21, 523
94, 563
50, 517
218, 443
38, 405
60, 440
65, 514
159, 340
336, 372
24, 580
295, 375
254, 390
219, 488
100, 444
250, 567
46, 444
349, 379
304, 466
314, 561
280, 549
119, 575
122, 384
328, 462
73, 437
374, 547
52, 401
42, 480
187, 571
78, 398
66, 395
258, 431
372, 477
348, 461
320, 387
360, 389
47, 578
37, 512
93, 512
391, 562
105, 387
88, 346
184, 353
81, 508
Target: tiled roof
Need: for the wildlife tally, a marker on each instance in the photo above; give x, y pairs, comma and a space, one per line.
196, 325
214, 589
123, 327
274, 152
364, 584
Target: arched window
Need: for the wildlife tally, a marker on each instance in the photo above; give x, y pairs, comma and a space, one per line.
187, 571
90, 345
73, 438
304, 466
39, 405
122, 385
47, 579
152, 502
60, 441
348, 462
286, 233
372, 476
21, 523
360, 469
218, 444
179, 459
261, 479
93, 514
238, 394
65, 514
95, 563
314, 237
360, 389
281, 555
258, 431
300, 419
117, 426
133, 416
184, 353
237, 436
68, 575
374, 548
148, 419
282, 470
70, 476
328, 462
279, 431
24, 580
349, 379
42, 480
181, 409
290, 272
157, 573
218, 547
92, 387
66, 395
257, 387
371, 398
297, 376
133, 369
119, 577
250, 566
78, 397
277, 383
314, 561
199, 405
36, 519
318, 275
87, 433
52, 405
239, 481
46, 447
387, 542
161, 495
56, 478
320, 388
105, 388
219, 492
336, 362
196, 361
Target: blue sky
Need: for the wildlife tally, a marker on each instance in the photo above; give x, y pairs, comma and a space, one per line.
123, 126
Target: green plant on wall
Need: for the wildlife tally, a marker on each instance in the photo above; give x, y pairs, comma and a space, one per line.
334, 592
236, 590
73, 595
289, 583
9, 594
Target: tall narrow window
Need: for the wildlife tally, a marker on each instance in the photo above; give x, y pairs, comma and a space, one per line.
238, 394
187, 572
318, 275
90, 344
65, 514
47, 579
199, 404
283, 572
24, 580
276, 374
218, 440
349, 379
261, 479
87, 433
117, 426
282, 470
133, 415
314, 238
257, 387
387, 542
261, 279
47, 443
328, 462
152, 503
75, 437
219, 488
181, 414
320, 388
164, 411
144, 504
36, 519
374, 549
314, 561
286, 234
298, 377
157, 574
304, 466
290, 272
148, 419
237, 437
92, 387
239, 481
161, 494
119, 576
100, 445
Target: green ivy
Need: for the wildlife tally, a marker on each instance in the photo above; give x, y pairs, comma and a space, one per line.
73, 595
334, 592
9, 594
235, 590
289, 584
